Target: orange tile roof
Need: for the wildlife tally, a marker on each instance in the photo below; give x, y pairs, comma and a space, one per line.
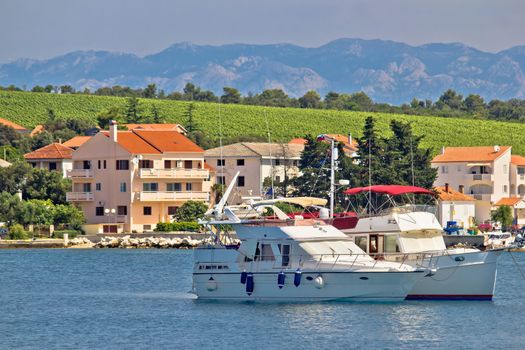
297, 141
76, 141
508, 201
517, 160
11, 124
167, 127
52, 151
470, 154
453, 195
133, 143
168, 141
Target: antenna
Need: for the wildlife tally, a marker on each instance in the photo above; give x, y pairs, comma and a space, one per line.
270, 144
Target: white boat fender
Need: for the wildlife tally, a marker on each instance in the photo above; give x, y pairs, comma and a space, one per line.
319, 282
243, 277
249, 283
211, 285
280, 279
297, 277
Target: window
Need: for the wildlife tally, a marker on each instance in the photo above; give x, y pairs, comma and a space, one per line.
104, 164
240, 162
188, 186
188, 164
147, 211
267, 253
362, 242
86, 187
504, 188
146, 164
99, 164
277, 162
444, 169
150, 187
146, 227
98, 186
240, 181
86, 164
99, 211
221, 180
123, 187
172, 210
167, 164
295, 163
122, 210
284, 249
174, 187
461, 189
53, 166
122, 164
221, 162
521, 171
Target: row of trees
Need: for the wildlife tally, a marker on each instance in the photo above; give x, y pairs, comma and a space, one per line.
449, 104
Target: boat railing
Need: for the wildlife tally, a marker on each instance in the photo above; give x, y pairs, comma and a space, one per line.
403, 209
335, 261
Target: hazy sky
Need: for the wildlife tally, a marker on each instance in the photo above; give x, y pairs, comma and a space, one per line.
46, 28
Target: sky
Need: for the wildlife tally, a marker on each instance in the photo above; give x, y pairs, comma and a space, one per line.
43, 29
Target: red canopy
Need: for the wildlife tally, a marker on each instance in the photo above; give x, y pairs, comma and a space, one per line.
393, 190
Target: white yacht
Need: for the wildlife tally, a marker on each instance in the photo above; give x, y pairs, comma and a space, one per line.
388, 229
285, 259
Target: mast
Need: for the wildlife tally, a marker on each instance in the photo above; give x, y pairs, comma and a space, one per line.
333, 157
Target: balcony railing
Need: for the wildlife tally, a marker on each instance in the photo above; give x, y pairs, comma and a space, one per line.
79, 173
79, 196
179, 173
173, 196
482, 196
483, 177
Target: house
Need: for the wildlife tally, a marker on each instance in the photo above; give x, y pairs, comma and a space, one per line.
55, 156
518, 208
15, 126
4, 163
127, 181
487, 173
76, 141
455, 206
256, 163
350, 146
158, 126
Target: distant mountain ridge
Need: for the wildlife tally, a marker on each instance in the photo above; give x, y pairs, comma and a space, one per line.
387, 71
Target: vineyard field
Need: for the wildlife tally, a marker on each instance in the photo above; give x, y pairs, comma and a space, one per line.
30, 109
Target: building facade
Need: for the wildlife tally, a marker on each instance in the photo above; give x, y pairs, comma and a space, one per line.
53, 157
129, 181
257, 163
455, 206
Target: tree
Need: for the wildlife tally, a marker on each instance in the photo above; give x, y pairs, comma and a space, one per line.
310, 99
8, 136
191, 211
38, 212
132, 111
49, 88
104, 117
274, 98
155, 114
330, 99
150, 91
42, 139
14, 177
67, 89
451, 99
38, 88
474, 104
68, 215
314, 166
188, 114
11, 208
363, 102
44, 184
503, 215
190, 91
230, 95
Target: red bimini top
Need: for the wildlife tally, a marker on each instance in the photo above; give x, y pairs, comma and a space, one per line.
393, 190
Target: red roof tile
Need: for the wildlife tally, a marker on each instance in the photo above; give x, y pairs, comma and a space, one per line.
76, 141
509, 201
517, 160
133, 143
52, 151
453, 195
11, 124
470, 154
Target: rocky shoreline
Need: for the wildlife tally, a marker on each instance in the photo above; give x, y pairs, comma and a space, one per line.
127, 242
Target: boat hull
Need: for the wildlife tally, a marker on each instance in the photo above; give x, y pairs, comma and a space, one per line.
336, 285
459, 276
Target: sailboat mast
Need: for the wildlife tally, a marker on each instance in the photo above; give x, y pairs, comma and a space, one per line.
332, 176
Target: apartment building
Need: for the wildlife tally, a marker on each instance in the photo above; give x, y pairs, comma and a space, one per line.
127, 181
455, 206
490, 174
54, 157
255, 162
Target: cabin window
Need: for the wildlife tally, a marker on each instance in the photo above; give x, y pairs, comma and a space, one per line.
284, 249
362, 242
391, 244
267, 252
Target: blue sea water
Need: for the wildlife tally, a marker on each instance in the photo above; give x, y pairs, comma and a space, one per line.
137, 299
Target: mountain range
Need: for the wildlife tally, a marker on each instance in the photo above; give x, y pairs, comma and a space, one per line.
387, 71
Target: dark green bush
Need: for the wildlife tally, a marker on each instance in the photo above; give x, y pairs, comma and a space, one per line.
177, 226
17, 232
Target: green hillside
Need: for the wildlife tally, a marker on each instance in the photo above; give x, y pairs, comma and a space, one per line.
29, 109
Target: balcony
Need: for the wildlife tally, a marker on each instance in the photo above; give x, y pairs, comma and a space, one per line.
79, 196
75, 174
483, 177
173, 196
179, 173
